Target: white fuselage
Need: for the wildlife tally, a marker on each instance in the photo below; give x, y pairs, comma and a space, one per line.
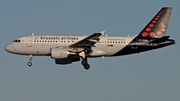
40, 45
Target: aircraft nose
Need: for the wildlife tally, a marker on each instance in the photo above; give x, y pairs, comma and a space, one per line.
8, 48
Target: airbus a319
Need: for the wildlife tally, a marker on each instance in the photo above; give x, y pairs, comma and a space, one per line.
68, 49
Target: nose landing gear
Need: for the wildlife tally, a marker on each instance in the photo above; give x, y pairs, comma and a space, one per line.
29, 64
30, 59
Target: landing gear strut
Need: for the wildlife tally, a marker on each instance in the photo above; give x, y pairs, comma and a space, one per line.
30, 59
84, 60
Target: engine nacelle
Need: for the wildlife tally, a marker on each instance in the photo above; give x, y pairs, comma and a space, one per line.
59, 53
63, 61
66, 61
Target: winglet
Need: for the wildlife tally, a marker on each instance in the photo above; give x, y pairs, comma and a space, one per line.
102, 32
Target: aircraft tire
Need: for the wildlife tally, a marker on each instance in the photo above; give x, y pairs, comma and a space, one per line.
84, 62
87, 66
29, 64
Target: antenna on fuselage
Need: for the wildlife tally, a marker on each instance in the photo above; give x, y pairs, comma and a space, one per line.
32, 34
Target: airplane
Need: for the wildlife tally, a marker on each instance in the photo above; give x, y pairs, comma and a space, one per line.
69, 49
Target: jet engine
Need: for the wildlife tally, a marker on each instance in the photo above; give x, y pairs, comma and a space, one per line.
59, 53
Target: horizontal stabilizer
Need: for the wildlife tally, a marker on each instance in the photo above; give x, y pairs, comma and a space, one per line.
159, 40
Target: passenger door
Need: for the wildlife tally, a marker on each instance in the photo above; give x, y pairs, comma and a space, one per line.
29, 41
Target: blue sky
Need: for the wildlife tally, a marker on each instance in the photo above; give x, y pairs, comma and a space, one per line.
148, 76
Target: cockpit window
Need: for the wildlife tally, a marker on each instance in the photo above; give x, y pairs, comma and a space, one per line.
17, 41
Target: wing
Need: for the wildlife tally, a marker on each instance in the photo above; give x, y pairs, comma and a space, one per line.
88, 41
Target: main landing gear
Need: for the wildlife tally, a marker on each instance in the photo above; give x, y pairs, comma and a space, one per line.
30, 59
85, 64
84, 60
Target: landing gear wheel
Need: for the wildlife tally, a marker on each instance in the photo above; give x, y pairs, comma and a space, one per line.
84, 62
29, 64
87, 66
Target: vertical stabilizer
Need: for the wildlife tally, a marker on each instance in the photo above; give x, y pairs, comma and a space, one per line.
157, 27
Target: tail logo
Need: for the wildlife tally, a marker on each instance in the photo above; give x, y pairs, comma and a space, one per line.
151, 25
156, 28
